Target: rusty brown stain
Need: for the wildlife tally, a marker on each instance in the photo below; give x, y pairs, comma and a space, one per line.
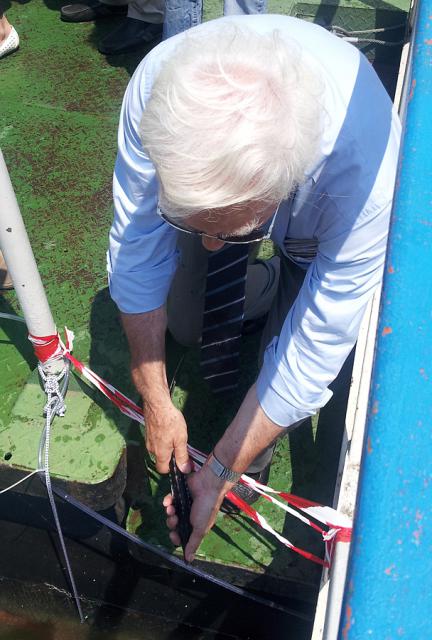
369, 445
386, 331
375, 408
413, 86
24, 624
390, 269
389, 570
347, 626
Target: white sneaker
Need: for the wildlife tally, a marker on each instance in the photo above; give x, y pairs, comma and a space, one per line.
10, 44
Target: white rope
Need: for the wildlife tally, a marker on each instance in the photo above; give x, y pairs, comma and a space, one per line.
55, 405
29, 475
10, 316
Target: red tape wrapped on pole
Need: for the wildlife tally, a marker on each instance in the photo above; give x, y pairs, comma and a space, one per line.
46, 347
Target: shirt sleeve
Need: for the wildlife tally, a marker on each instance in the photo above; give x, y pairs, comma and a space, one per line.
142, 256
323, 324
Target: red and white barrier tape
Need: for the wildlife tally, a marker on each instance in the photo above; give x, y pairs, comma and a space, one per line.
339, 525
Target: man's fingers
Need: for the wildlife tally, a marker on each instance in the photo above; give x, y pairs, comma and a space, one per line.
193, 544
162, 462
168, 500
172, 522
175, 538
182, 458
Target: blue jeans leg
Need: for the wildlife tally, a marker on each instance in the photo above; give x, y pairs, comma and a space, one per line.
244, 7
184, 14
181, 15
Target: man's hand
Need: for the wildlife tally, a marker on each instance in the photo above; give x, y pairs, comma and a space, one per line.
207, 492
166, 431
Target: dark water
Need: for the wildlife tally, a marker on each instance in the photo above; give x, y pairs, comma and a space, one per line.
123, 597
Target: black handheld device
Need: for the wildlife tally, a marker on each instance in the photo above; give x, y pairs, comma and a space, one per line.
182, 501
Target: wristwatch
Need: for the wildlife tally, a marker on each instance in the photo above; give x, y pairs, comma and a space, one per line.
221, 471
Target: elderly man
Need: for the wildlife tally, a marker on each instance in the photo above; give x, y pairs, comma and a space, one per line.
237, 128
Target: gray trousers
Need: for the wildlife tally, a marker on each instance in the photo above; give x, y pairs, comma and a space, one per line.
271, 287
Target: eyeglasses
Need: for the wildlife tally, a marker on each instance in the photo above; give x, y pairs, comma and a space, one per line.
256, 235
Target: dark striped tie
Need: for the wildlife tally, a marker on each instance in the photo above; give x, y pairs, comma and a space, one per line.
223, 316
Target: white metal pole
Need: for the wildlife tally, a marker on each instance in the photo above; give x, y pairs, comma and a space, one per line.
20, 261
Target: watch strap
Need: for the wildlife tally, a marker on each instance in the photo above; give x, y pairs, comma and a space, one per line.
220, 470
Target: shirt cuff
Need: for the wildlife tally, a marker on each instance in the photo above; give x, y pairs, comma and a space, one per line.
274, 391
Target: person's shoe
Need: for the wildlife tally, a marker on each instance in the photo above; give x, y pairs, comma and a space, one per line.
132, 34
9, 44
5, 279
246, 493
91, 10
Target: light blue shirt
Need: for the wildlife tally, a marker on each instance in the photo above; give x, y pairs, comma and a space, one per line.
335, 226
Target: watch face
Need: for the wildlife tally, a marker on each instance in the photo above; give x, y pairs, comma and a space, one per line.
217, 466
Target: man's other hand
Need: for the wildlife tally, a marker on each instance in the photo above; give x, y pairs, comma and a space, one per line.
166, 432
207, 492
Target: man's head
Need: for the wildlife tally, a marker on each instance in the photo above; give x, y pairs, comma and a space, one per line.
231, 125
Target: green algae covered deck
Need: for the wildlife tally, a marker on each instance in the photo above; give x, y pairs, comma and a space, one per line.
59, 106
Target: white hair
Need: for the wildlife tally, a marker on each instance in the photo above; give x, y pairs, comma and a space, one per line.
234, 116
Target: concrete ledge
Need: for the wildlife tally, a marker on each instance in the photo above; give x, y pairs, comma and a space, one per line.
87, 452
